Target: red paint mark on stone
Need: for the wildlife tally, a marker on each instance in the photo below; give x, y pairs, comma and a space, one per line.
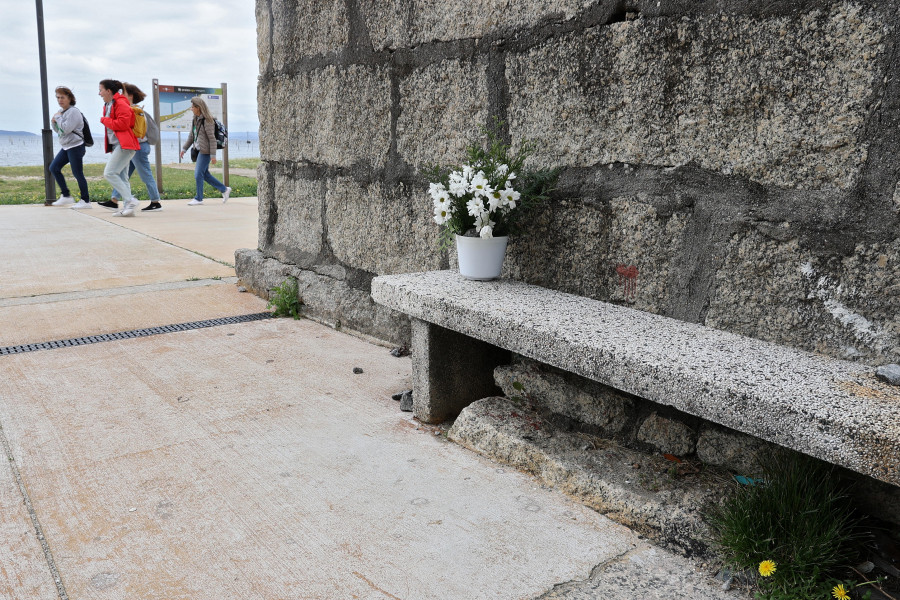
628, 279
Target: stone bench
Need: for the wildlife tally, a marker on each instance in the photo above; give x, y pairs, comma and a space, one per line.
831, 409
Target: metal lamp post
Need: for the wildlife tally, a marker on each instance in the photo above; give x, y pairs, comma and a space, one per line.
46, 133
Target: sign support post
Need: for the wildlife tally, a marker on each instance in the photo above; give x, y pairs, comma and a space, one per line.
225, 123
159, 181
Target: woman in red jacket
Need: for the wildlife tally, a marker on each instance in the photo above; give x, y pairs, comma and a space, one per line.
118, 119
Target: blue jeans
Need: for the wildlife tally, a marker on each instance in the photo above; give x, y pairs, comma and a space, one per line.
141, 163
201, 174
116, 169
72, 156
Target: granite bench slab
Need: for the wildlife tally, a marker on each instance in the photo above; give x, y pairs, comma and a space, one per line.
831, 409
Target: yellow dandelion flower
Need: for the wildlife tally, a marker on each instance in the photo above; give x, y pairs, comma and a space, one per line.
766, 568
840, 593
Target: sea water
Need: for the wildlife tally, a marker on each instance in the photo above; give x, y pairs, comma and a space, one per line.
28, 150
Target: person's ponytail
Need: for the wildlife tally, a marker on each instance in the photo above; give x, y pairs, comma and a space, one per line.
113, 85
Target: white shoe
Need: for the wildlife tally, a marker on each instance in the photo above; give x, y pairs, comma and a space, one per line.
82, 204
195, 202
226, 194
132, 204
64, 201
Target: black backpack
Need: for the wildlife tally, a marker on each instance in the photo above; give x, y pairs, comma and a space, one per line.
221, 135
86, 133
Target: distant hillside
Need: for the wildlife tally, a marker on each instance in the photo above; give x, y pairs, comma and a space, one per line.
17, 133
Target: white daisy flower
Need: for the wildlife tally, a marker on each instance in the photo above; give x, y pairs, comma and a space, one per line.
479, 184
441, 216
475, 207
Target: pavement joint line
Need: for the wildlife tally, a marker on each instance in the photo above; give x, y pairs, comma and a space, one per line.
35, 522
133, 333
120, 291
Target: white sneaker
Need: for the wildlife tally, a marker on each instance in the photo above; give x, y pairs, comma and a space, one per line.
81, 204
132, 204
195, 202
226, 194
64, 201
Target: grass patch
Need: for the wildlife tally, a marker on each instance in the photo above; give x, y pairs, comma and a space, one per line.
25, 185
284, 299
796, 528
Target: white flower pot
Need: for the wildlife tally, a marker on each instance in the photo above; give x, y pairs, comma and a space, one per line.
480, 259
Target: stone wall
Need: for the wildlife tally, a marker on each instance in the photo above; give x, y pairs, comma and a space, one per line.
734, 162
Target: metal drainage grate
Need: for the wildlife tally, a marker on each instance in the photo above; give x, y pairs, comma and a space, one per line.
135, 333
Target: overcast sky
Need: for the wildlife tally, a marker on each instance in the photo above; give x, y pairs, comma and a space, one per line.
178, 42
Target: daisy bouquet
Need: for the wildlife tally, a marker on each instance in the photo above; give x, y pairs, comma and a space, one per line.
490, 193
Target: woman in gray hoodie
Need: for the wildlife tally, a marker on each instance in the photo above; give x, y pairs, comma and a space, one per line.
69, 126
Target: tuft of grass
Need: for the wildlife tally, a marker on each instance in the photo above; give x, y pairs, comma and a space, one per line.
284, 299
797, 517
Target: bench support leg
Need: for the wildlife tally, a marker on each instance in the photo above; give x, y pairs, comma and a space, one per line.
450, 371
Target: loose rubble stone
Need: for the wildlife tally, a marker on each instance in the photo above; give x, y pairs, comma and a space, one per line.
889, 373
667, 435
399, 395
565, 394
406, 401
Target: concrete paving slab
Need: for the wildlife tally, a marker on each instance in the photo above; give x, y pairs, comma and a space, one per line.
64, 316
50, 250
248, 461
213, 229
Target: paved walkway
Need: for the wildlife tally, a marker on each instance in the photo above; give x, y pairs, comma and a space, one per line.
247, 460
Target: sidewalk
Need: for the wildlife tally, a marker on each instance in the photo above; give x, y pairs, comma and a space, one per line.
248, 460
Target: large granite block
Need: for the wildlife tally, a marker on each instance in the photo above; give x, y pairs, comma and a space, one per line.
780, 292
442, 107
295, 230
379, 229
303, 28
404, 23
334, 116
782, 101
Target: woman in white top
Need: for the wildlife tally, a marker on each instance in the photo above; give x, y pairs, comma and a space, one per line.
68, 123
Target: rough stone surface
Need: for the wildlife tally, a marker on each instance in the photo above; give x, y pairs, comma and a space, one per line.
289, 24
446, 96
782, 101
291, 218
450, 371
832, 298
582, 400
667, 435
738, 452
595, 471
639, 574
830, 409
401, 23
304, 117
369, 229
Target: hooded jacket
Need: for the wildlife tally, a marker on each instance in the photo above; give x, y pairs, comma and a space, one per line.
120, 120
